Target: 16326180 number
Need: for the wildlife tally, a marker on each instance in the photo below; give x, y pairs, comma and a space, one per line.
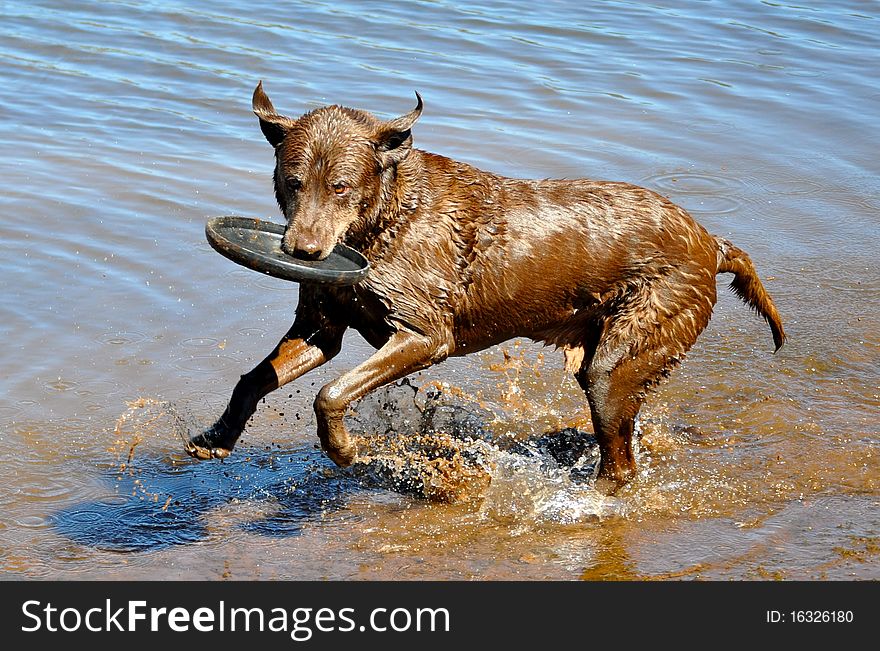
821, 616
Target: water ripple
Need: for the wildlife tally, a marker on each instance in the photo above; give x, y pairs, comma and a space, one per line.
692, 182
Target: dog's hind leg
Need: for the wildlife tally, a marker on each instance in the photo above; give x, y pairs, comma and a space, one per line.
302, 349
639, 345
404, 353
615, 388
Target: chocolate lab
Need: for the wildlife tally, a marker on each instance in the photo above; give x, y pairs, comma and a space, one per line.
619, 277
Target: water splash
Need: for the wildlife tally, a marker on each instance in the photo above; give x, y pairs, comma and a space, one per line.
429, 443
438, 445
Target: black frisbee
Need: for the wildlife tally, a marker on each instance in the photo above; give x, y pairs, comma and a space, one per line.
256, 244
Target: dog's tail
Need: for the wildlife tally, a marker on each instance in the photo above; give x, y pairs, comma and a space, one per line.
748, 287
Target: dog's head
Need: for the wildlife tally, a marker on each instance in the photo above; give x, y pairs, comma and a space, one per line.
328, 168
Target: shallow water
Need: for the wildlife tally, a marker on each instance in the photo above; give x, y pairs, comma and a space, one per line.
126, 125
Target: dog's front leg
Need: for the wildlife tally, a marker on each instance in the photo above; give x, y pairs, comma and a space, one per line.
402, 354
302, 349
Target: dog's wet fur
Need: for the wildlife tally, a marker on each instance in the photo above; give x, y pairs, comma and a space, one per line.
617, 276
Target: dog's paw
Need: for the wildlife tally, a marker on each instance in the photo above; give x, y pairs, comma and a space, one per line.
199, 452
343, 457
608, 486
207, 446
613, 479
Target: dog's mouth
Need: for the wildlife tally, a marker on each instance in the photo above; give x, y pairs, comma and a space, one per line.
308, 255
306, 249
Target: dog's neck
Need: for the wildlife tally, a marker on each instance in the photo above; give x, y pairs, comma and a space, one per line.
398, 197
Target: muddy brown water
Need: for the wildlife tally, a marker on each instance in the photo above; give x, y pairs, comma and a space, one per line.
126, 126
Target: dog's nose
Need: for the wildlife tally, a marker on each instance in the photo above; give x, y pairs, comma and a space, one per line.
307, 248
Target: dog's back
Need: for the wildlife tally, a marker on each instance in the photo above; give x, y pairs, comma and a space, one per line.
492, 258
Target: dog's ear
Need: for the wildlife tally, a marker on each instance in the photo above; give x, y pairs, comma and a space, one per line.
274, 126
394, 137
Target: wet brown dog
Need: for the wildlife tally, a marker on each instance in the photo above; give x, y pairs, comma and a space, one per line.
619, 277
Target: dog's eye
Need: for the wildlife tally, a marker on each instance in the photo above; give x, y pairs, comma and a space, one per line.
340, 189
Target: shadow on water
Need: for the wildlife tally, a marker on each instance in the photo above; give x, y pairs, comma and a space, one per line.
165, 500
421, 444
